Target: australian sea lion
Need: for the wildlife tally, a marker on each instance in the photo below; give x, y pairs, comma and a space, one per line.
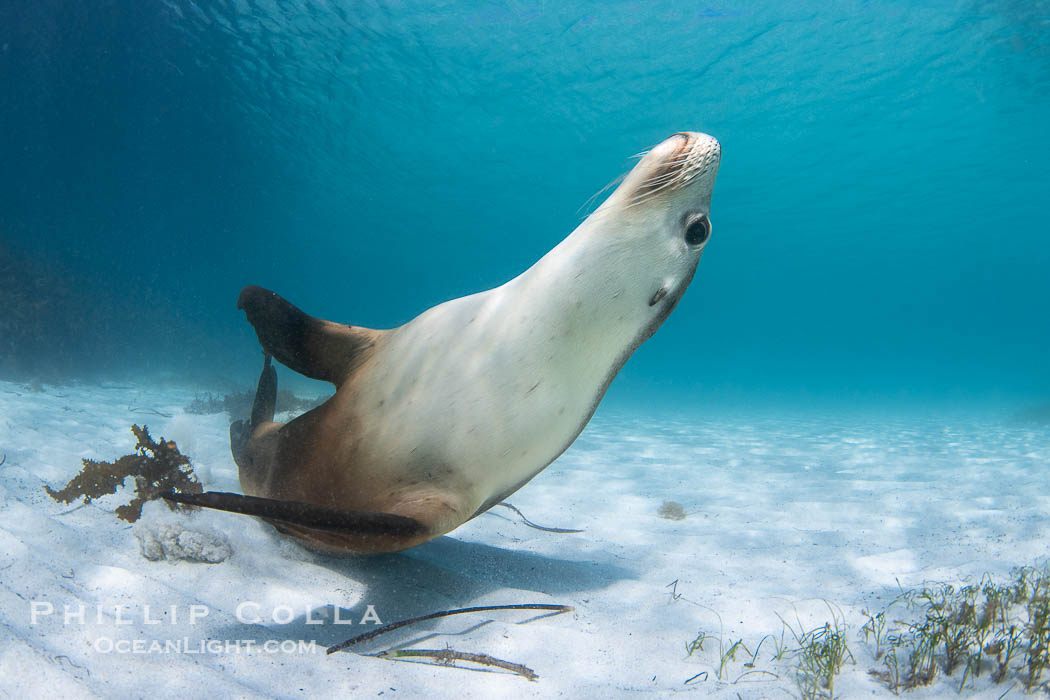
436, 421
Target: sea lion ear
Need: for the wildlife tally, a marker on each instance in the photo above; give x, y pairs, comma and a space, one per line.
311, 346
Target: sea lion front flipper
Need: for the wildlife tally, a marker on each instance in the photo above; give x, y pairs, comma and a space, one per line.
311, 346
304, 514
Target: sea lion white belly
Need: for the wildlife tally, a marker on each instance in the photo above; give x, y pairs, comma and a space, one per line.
503, 381
439, 419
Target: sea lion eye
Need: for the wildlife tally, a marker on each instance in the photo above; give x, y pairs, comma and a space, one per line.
698, 231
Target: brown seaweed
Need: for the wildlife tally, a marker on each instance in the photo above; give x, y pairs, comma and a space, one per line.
157, 467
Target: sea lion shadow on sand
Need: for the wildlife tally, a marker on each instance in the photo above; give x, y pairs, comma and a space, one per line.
440, 574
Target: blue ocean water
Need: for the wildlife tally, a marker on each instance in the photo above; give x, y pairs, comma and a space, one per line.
880, 216
879, 254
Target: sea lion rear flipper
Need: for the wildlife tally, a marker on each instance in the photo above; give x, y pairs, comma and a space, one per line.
265, 403
263, 407
311, 346
304, 514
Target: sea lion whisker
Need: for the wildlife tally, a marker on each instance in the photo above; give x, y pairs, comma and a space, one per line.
657, 181
671, 169
679, 178
593, 197
660, 177
645, 195
646, 183
671, 172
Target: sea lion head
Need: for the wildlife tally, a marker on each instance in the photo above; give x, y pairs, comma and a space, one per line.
658, 221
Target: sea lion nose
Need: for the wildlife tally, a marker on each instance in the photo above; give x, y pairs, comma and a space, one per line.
704, 143
712, 146
683, 141
695, 143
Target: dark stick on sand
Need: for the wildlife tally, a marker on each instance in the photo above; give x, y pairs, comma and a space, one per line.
445, 613
138, 409
450, 656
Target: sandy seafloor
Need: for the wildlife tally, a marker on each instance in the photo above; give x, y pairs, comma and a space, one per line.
786, 515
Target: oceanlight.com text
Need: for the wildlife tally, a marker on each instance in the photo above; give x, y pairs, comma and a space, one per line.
108, 645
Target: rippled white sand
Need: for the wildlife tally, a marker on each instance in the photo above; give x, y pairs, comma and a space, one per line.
783, 514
